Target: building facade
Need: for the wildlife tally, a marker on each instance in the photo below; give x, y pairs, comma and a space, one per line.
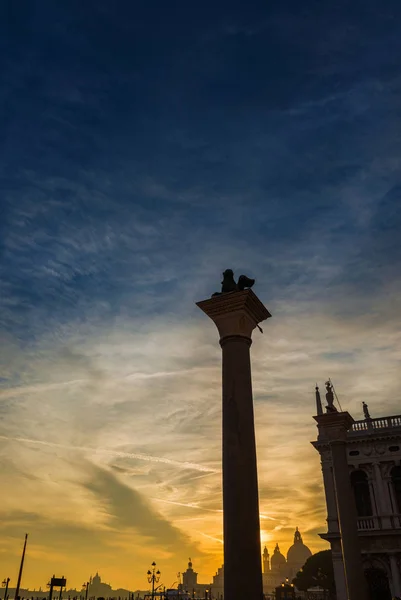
191, 586
189, 578
374, 462
218, 583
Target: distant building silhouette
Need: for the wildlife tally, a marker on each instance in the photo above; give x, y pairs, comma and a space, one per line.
218, 583
266, 561
297, 555
191, 586
99, 589
189, 578
275, 571
277, 568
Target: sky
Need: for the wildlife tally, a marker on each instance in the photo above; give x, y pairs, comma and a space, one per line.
146, 147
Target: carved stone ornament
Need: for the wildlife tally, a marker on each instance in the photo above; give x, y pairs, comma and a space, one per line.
235, 314
381, 448
380, 561
325, 456
367, 450
380, 544
368, 469
385, 469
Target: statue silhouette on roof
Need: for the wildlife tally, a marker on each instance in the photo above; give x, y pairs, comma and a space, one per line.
366, 410
330, 397
297, 536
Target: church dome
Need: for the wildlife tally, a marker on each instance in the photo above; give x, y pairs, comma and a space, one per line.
298, 553
277, 560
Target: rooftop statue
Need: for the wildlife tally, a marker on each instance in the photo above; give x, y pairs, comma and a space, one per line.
366, 410
229, 285
330, 397
297, 536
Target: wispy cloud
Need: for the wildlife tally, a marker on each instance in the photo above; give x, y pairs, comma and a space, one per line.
116, 453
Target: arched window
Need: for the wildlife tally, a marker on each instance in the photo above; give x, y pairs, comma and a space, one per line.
396, 480
378, 583
360, 485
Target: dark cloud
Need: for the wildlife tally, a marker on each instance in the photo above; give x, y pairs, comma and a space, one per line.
126, 511
47, 533
129, 510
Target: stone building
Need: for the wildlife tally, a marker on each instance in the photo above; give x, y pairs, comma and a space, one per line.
97, 588
297, 556
189, 578
192, 587
218, 583
277, 568
374, 461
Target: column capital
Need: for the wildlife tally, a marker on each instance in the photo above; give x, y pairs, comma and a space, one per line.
333, 426
235, 338
235, 313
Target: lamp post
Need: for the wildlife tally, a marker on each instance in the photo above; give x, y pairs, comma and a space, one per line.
5, 584
153, 577
20, 569
86, 588
50, 586
288, 592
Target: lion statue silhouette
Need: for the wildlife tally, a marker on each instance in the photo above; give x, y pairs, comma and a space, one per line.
229, 284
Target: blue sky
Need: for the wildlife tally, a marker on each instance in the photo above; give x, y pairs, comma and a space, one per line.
146, 147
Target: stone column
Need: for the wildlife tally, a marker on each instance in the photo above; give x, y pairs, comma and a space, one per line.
390, 499
395, 575
236, 314
394, 518
333, 428
330, 493
382, 501
339, 574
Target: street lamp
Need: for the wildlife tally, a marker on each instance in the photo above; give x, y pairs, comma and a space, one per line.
288, 590
5, 584
153, 577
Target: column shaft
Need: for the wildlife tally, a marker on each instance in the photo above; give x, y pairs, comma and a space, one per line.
339, 576
242, 551
347, 516
330, 493
395, 575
